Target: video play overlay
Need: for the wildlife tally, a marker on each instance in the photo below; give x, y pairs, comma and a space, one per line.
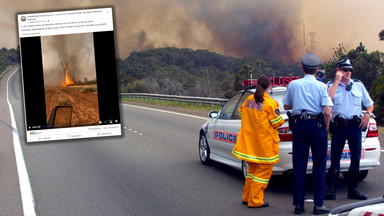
69, 74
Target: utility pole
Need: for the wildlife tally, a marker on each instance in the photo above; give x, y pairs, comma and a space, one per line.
313, 42
304, 37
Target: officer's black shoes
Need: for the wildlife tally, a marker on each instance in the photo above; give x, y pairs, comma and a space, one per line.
262, 206
320, 210
299, 209
329, 195
353, 191
356, 194
330, 190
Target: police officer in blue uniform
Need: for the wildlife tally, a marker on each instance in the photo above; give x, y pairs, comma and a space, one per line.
348, 122
309, 122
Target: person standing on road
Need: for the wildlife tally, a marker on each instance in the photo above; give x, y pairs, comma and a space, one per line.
348, 121
258, 141
309, 122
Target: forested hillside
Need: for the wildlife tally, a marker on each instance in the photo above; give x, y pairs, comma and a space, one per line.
8, 57
202, 73
191, 72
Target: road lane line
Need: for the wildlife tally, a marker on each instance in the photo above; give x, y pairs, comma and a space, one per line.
176, 113
25, 185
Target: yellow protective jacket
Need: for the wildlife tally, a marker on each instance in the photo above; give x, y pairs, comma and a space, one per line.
258, 140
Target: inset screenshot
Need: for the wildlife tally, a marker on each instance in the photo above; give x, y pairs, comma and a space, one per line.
69, 74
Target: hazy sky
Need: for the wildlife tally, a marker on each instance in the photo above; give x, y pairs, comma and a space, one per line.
254, 28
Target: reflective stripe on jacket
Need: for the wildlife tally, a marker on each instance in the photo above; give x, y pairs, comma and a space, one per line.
258, 140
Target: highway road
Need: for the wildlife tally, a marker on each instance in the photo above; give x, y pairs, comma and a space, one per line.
153, 169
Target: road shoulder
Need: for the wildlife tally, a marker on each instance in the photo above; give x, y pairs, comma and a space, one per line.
10, 200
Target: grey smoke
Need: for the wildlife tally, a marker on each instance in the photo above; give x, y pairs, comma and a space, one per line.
74, 51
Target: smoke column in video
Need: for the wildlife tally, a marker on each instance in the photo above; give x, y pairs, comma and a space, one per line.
72, 53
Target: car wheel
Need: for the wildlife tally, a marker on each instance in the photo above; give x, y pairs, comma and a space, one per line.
362, 176
244, 168
204, 150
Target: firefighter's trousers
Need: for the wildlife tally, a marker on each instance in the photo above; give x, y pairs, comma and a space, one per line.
256, 182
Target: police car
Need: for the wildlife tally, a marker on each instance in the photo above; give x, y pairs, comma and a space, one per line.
218, 136
371, 207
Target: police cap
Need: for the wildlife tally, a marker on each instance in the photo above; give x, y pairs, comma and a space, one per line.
345, 63
310, 61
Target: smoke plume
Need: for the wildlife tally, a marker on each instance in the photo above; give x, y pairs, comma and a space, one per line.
246, 28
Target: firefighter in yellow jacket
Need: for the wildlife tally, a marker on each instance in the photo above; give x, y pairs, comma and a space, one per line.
258, 141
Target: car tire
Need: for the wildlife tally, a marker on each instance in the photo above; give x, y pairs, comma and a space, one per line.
244, 168
204, 151
362, 176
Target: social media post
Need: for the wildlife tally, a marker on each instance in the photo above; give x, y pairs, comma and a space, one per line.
65, 22
70, 85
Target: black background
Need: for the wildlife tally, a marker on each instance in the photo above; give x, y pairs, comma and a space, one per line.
107, 89
33, 80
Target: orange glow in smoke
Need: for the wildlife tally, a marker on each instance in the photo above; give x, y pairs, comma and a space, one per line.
68, 80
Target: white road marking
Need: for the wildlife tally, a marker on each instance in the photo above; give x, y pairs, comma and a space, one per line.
164, 111
25, 185
134, 131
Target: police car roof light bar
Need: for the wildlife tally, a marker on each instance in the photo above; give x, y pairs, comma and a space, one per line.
249, 82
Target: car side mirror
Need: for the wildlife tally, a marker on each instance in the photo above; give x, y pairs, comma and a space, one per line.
213, 114
60, 117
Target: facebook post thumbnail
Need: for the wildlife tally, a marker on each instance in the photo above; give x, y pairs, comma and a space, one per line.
69, 74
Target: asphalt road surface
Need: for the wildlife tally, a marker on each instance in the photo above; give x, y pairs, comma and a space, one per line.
153, 169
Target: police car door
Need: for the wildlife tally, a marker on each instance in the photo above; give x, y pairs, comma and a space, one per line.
231, 124
221, 139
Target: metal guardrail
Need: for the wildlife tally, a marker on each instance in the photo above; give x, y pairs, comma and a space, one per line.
203, 100
4, 72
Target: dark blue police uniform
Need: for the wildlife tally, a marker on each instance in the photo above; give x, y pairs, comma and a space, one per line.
307, 97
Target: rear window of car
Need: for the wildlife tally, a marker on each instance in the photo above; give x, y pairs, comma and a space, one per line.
278, 96
246, 94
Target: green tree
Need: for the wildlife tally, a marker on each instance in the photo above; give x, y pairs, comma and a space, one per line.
195, 69
377, 94
381, 35
243, 74
227, 87
136, 87
339, 52
367, 66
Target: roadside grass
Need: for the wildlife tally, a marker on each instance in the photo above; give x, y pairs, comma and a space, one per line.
85, 88
177, 104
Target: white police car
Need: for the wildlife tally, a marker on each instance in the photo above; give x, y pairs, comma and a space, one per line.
219, 134
371, 207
